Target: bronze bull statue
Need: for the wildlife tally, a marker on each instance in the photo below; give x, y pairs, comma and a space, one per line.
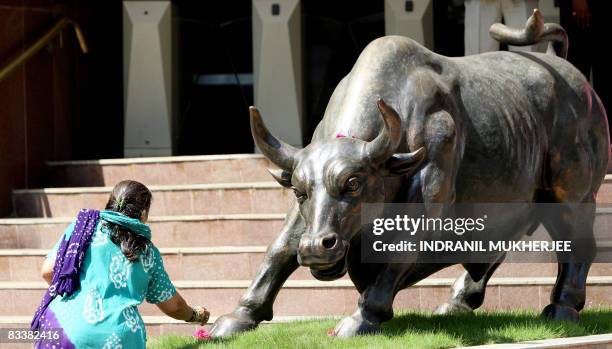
493, 127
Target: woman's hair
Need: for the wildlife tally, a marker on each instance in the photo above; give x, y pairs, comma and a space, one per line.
130, 198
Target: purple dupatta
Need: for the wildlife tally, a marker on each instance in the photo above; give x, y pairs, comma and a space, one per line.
68, 261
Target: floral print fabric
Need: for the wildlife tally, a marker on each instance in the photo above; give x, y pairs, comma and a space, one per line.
103, 313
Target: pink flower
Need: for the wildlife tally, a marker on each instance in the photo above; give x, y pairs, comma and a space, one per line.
342, 135
201, 334
331, 333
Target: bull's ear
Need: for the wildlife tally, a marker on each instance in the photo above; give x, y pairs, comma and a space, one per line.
402, 164
282, 177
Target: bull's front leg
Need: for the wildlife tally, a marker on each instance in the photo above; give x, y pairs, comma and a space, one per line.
375, 303
279, 263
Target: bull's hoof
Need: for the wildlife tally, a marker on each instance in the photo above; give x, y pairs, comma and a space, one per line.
452, 308
230, 324
353, 325
560, 312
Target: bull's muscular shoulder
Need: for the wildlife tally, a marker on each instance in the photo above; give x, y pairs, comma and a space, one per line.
392, 45
404, 66
393, 55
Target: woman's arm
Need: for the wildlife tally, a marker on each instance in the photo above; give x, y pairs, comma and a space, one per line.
176, 308
47, 270
160, 288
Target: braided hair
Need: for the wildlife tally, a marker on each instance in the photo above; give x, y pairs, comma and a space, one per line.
132, 199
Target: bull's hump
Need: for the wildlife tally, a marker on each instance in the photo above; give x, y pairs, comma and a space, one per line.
392, 44
381, 71
390, 55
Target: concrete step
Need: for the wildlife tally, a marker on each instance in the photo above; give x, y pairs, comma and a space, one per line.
199, 263
168, 231
161, 170
192, 230
189, 199
219, 263
316, 298
197, 169
604, 195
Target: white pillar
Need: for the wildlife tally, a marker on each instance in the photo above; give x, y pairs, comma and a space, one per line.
550, 13
147, 77
411, 18
277, 67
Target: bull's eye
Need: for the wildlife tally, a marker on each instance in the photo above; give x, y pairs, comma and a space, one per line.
299, 195
352, 184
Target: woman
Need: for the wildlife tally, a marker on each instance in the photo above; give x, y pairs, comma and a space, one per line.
100, 271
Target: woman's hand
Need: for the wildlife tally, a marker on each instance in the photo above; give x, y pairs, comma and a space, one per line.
200, 315
581, 13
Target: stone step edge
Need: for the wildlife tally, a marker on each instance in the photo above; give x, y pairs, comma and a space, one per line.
166, 320
155, 160
20, 252
192, 218
174, 187
313, 284
177, 187
156, 219
583, 342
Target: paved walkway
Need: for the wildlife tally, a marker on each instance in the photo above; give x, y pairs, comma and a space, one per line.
600, 341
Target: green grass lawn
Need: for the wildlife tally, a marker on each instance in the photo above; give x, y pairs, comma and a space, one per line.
409, 330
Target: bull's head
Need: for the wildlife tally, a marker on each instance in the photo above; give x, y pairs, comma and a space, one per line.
331, 179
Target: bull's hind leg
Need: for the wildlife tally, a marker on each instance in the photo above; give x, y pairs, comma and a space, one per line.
571, 222
468, 291
575, 177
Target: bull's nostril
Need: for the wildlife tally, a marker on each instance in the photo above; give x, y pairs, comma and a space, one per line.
329, 242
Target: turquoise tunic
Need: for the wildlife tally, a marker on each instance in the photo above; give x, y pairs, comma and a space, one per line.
103, 312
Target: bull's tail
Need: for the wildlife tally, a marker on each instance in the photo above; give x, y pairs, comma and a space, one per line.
534, 32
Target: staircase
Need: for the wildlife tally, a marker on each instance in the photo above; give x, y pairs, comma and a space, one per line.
212, 218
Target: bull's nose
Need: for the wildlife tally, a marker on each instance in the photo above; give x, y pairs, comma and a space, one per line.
329, 241
321, 251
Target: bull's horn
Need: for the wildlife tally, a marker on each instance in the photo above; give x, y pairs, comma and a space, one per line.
280, 153
385, 144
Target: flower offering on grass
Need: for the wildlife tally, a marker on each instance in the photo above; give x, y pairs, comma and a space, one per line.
201, 334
